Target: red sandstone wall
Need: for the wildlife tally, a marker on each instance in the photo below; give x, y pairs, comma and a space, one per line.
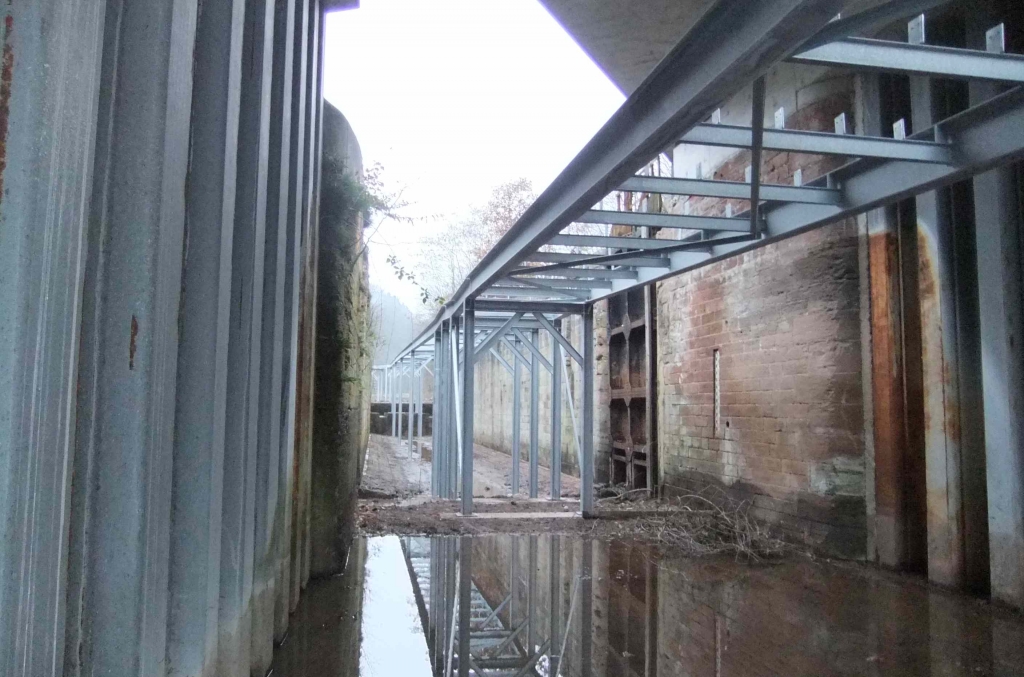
786, 320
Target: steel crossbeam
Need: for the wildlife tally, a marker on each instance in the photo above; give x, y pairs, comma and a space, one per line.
822, 143
926, 60
731, 190
659, 220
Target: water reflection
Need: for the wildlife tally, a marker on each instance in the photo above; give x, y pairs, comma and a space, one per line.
549, 605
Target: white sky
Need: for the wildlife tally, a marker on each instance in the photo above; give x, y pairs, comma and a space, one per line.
454, 97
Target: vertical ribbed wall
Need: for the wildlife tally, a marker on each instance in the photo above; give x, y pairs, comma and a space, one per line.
159, 203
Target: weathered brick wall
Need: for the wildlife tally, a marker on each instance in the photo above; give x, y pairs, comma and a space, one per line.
786, 320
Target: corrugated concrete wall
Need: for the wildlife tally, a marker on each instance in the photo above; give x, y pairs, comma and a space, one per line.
160, 190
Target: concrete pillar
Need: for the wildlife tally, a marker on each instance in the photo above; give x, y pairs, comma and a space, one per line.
1000, 251
337, 450
198, 464
244, 355
53, 80
118, 569
275, 270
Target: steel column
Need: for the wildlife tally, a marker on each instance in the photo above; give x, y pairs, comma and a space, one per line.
534, 412
468, 370
202, 379
937, 289
394, 404
517, 414
557, 363
455, 448
411, 406
1000, 264
587, 457
419, 409
438, 460
435, 399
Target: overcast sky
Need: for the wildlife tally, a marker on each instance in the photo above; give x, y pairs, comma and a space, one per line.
454, 97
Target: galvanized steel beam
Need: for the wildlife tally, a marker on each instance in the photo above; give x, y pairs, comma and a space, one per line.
730, 190
468, 392
557, 335
655, 220
822, 143
536, 357
587, 457
921, 60
556, 413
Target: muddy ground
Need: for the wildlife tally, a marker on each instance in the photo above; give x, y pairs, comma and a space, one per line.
395, 500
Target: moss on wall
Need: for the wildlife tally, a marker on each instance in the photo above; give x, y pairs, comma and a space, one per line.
343, 349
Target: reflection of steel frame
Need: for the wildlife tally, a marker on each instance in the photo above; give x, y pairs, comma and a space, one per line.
498, 638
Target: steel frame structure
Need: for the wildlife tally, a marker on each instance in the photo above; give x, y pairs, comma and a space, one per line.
531, 269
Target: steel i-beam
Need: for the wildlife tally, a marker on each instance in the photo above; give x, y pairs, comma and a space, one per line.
517, 378
467, 411
556, 413
534, 410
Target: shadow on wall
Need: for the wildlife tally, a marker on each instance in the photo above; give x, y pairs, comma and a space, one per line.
343, 349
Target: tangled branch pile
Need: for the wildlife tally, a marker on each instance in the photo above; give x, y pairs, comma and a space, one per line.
696, 524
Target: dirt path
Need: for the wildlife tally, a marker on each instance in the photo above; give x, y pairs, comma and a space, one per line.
392, 471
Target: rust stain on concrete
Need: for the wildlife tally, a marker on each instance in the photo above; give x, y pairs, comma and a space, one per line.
131, 343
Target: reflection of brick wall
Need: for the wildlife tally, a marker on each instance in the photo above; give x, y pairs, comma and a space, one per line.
786, 320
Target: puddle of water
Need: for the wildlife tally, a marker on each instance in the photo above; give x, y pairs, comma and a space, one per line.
557, 605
